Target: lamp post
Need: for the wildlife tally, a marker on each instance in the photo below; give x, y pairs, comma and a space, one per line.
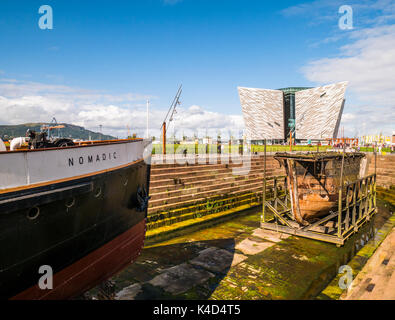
147, 118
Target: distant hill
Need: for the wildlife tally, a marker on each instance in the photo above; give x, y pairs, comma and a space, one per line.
69, 131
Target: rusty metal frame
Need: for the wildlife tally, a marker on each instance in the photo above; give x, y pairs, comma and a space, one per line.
357, 208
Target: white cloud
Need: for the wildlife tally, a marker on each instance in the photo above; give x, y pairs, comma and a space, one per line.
347, 117
197, 120
310, 7
22, 102
17, 88
365, 11
195, 110
368, 63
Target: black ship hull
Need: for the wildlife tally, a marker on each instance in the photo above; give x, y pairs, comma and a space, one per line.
85, 229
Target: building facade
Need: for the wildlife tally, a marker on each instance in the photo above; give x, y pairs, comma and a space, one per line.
306, 113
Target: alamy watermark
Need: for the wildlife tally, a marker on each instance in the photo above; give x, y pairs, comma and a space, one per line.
345, 281
46, 280
346, 20
238, 154
46, 20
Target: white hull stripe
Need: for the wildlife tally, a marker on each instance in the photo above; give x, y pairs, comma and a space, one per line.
19, 169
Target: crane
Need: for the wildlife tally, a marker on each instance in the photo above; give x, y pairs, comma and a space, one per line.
168, 119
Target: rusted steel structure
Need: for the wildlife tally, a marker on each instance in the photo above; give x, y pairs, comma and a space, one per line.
324, 200
314, 180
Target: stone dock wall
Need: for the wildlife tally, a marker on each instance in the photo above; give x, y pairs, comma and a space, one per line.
203, 187
186, 188
385, 169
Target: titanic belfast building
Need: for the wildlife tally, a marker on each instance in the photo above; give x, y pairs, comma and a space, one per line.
307, 113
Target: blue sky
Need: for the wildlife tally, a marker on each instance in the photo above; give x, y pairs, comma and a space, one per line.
103, 59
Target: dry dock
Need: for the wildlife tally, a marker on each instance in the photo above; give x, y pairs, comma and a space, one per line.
235, 259
376, 281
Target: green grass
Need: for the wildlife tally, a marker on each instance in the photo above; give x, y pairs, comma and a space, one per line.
279, 148
201, 148
370, 149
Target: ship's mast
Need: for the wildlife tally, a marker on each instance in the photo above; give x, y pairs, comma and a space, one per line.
147, 118
168, 119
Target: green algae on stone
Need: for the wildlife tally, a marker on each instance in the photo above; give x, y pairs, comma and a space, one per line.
387, 195
333, 291
294, 268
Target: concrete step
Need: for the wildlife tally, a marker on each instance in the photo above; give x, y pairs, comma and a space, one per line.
192, 202
158, 169
187, 173
218, 189
192, 172
201, 160
178, 202
161, 219
204, 188
385, 170
209, 180
226, 201
212, 175
189, 168
201, 178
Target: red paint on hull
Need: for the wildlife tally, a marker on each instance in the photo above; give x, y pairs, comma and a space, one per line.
92, 269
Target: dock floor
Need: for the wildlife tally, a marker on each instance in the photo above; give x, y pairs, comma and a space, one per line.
376, 281
233, 260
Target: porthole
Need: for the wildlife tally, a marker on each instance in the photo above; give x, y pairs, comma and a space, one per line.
97, 192
33, 213
70, 202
